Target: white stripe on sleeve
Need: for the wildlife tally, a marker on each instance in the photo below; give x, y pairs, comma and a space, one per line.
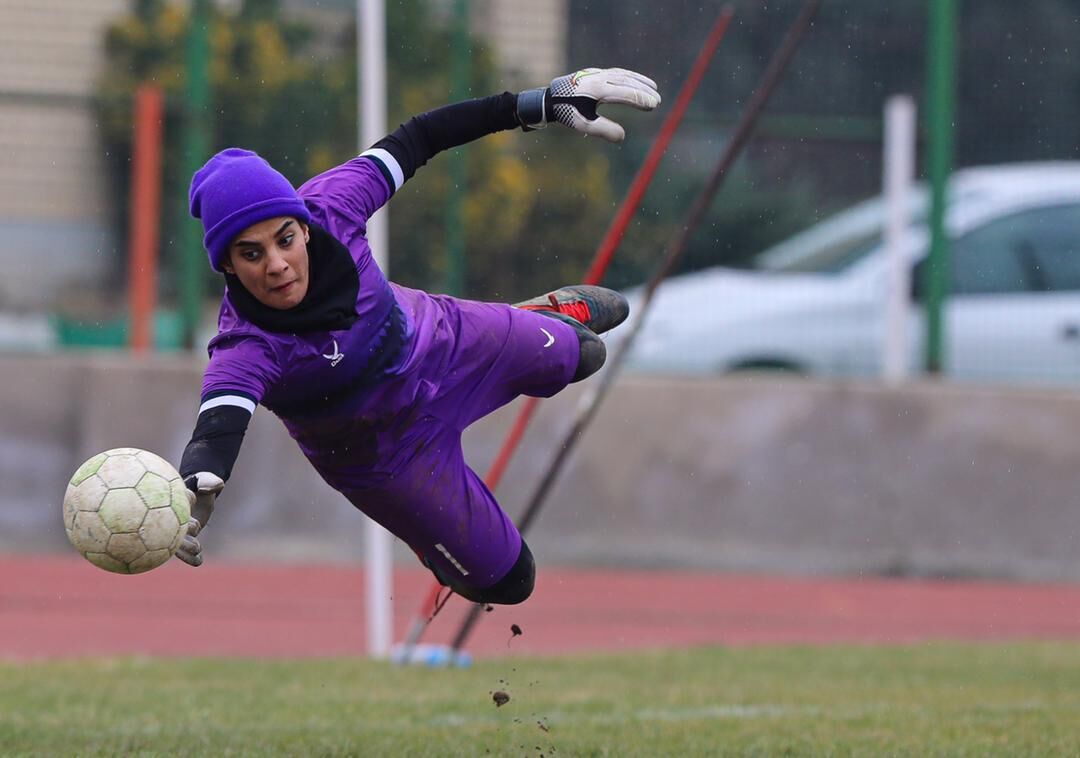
383, 157
238, 400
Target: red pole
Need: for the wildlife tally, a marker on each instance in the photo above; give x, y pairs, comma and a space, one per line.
145, 213
599, 265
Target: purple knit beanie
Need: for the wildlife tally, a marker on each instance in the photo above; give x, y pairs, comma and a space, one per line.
235, 189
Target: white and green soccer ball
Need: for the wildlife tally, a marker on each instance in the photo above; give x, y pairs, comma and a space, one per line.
126, 510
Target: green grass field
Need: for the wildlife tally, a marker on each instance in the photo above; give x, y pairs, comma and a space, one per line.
941, 699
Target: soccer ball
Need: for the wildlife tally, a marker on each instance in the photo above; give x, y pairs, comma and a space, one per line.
126, 510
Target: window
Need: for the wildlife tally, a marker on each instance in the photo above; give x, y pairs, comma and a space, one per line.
1031, 251
833, 245
1052, 248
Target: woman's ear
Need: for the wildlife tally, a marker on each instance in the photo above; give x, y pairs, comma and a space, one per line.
307, 232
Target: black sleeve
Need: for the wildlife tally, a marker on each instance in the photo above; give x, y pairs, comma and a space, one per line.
420, 138
215, 443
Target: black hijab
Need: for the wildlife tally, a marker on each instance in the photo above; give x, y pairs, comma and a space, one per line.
330, 302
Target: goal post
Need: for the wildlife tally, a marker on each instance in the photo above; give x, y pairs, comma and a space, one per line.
371, 99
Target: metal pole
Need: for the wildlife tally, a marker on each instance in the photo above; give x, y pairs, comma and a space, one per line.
455, 200
899, 170
196, 142
941, 95
371, 61
371, 97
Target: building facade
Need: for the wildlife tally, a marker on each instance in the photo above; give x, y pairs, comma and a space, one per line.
54, 204
528, 37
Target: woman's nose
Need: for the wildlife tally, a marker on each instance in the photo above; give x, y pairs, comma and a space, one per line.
275, 261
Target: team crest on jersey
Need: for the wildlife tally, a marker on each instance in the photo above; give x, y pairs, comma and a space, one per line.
335, 355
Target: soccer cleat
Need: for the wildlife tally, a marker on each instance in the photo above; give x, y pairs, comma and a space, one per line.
591, 311
597, 308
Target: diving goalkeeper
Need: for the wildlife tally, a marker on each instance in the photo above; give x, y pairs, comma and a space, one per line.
376, 381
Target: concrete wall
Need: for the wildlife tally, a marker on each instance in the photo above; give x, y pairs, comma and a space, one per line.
755, 473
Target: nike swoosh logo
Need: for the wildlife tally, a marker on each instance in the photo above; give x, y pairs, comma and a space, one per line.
550, 336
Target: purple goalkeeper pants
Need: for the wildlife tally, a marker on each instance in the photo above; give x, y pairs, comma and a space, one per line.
399, 457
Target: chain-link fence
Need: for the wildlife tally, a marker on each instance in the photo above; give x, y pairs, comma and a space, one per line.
283, 79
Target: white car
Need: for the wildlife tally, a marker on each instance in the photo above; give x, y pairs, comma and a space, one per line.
816, 303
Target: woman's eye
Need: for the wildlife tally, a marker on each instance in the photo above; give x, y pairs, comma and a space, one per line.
286, 240
249, 255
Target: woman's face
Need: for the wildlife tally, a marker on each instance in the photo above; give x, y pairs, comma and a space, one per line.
270, 259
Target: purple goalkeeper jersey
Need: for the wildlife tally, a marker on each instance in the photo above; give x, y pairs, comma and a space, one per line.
287, 371
295, 374
392, 444
391, 441
315, 379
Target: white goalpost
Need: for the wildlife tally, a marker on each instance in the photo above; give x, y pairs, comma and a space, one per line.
898, 173
371, 101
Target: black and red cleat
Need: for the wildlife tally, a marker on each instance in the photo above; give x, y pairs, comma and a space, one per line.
597, 308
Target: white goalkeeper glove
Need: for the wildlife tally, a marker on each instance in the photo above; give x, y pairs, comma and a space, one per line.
571, 100
202, 489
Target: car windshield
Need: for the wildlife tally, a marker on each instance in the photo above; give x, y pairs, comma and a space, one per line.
837, 242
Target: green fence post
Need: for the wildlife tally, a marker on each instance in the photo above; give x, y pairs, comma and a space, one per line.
941, 93
196, 144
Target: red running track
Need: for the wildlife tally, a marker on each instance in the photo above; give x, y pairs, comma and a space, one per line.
59, 607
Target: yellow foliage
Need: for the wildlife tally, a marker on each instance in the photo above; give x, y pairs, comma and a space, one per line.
222, 40
272, 60
172, 24
498, 207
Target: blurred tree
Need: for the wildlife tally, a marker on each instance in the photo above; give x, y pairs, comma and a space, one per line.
264, 93
536, 204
